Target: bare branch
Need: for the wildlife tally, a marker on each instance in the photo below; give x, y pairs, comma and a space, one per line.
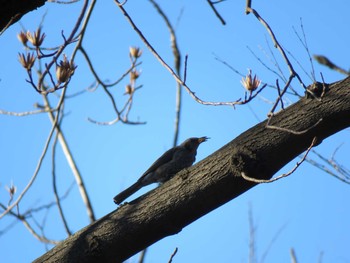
272, 241
71, 162
252, 233
172, 72
173, 255
259, 181
304, 43
26, 113
293, 256
41, 238
37, 169
277, 45
23, 219
289, 130
177, 65
54, 185
341, 173
212, 5
142, 256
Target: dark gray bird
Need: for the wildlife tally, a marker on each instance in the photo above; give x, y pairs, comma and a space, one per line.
171, 162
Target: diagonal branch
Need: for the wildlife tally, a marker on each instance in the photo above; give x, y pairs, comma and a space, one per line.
194, 192
166, 66
68, 154
43, 154
177, 65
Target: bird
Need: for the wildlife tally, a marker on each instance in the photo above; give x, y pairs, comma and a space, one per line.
165, 167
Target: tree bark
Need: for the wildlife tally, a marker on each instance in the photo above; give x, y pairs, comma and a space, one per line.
259, 152
12, 10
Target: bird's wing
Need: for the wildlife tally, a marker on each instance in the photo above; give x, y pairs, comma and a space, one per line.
165, 158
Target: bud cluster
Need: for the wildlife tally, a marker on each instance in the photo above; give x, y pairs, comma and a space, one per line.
134, 54
64, 70
33, 41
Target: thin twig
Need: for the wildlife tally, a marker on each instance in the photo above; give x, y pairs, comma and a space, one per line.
277, 45
26, 113
341, 173
252, 242
37, 169
105, 86
142, 256
54, 185
172, 72
268, 126
23, 219
177, 65
293, 256
272, 241
41, 238
259, 181
72, 163
67, 41
173, 255
279, 94
279, 74
211, 4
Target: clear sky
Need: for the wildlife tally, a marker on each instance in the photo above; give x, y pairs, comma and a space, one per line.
306, 211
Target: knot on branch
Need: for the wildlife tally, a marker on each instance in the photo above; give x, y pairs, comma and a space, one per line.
316, 90
250, 163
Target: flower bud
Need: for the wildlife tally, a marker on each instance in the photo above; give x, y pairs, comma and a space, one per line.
135, 52
65, 70
22, 37
27, 61
134, 75
36, 38
128, 89
250, 83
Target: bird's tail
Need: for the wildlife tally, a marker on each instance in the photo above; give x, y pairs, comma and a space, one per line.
127, 192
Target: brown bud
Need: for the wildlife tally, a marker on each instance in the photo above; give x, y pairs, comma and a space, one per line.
135, 52
134, 75
26, 61
11, 189
36, 38
250, 83
22, 37
65, 70
128, 89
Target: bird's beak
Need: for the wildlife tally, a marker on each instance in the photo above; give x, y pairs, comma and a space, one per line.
203, 139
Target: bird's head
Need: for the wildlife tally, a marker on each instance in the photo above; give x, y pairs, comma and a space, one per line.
193, 143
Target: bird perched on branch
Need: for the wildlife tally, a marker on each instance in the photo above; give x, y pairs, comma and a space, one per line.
171, 162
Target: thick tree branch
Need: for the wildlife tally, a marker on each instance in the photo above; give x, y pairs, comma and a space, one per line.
12, 10
259, 152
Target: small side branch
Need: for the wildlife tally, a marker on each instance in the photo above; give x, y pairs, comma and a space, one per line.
173, 255
293, 74
268, 126
177, 65
38, 167
212, 5
166, 66
259, 181
26, 113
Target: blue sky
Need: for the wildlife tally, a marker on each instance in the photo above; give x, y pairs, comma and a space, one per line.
307, 211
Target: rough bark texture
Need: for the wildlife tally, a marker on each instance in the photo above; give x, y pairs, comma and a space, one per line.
194, 192
12, 10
